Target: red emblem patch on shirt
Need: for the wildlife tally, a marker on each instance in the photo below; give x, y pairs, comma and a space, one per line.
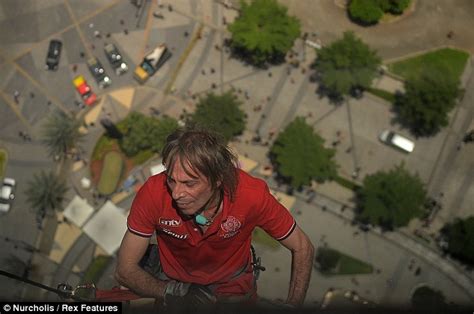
231, 225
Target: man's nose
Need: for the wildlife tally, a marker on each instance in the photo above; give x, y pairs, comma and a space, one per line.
178, 191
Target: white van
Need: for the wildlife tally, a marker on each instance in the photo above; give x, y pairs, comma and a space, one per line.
396, 140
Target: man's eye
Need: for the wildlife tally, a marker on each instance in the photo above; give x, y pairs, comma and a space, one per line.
189, 185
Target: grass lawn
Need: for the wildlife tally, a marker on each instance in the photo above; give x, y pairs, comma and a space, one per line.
454, 61
96, 269
261, 237
382, 94
3, 162
347, 183
341, 264
111, 173
351, 266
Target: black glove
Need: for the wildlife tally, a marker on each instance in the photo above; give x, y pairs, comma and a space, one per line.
180, 294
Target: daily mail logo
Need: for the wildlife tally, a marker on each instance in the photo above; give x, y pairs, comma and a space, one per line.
170, 222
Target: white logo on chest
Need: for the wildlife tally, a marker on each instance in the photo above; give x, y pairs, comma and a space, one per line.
170, 222
174, 234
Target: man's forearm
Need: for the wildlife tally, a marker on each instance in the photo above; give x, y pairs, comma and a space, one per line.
301, 267
141, 282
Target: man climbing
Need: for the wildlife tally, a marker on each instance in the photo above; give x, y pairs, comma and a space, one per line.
204, 210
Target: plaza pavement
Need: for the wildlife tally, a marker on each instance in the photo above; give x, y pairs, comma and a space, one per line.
283, 92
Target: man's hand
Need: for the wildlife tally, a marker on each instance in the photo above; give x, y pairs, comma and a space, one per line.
176, 289
180, 294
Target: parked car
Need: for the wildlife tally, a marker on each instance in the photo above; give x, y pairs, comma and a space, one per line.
84, 90
7, 194
98, 72
396, 140
115, 59
152, 62
54, 54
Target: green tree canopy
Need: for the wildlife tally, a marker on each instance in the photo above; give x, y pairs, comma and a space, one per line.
391, 199
427, 100
46, 192
60, 134
428, 299
460, 237
346, 64
370, 12
327, 259
299, 155
263, 32
221, 114
365, 11
141, 133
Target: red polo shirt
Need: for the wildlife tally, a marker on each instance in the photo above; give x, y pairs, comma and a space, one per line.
224, 249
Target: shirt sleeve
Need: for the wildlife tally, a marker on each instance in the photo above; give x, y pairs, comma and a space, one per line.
141, 219
275, 219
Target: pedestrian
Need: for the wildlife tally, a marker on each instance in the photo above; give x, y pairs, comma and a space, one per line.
32, 95
74, 68
16, 96
186, 34
203, 210
82, 54
213, 71
125, 31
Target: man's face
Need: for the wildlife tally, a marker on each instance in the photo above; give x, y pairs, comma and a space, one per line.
190, 192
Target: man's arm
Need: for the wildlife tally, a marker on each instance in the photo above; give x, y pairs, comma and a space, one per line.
129, 274
301, 265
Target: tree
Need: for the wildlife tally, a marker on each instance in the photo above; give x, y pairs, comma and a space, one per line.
221, 114
142, 133
61, 134
165, 127
394, 6
346, 64
263, 32
427, 299
427, 100
299, 155
369, 12
366, 12
460, 238
391, 199
45, 193
327, 259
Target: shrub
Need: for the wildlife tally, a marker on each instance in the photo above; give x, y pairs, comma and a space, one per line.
365, 11
369, 12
